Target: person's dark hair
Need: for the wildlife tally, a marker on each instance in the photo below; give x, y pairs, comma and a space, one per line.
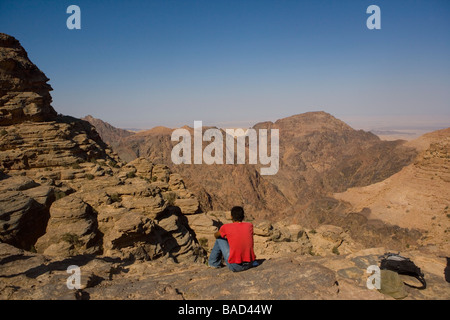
237, 214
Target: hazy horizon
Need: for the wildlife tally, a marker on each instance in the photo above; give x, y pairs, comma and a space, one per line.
141, 64
388, 127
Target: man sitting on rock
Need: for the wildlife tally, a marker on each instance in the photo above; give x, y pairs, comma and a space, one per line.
234, 243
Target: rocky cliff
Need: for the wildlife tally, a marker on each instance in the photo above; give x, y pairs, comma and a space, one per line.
24, 92
63, 192
32, 135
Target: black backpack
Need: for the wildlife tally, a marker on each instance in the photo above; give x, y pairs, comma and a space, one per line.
401, 265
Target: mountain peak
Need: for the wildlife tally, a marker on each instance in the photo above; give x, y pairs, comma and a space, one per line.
306, 122
319, 117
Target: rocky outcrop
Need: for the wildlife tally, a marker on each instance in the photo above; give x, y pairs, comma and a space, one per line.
65, 141
24, 92
24, 210
97, 208
32, 135
118, 213
65, 193
71, 230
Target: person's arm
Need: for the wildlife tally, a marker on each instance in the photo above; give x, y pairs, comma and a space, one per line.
218, 234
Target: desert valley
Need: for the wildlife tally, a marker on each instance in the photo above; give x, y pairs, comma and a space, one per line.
82, 192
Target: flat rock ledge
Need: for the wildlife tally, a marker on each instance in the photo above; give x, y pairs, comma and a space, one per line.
26, 275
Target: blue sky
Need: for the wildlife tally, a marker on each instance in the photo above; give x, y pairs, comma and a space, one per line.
226, 62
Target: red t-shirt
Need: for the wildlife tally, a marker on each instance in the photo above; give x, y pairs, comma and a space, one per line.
240, 239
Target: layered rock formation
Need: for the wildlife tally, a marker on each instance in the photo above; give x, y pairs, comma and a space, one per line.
61, 142
24, 210
24, 92
98, 209
32, 135
65, 193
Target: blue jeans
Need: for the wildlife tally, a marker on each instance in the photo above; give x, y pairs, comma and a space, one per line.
222, 249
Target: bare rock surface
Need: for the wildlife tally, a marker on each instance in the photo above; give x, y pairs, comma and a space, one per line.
28, 275
24, 92
65, 141
71, 230
24, 210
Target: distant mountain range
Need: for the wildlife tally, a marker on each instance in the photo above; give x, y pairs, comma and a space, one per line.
319, 155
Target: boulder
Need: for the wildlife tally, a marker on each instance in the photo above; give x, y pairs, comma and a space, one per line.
161, 173
130, 237
72, 229
22, 219
263, 229
204, 226
142, 167
150, 206
176, 182
187, 206
17, 183
175, 237
24, 211
330, 239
